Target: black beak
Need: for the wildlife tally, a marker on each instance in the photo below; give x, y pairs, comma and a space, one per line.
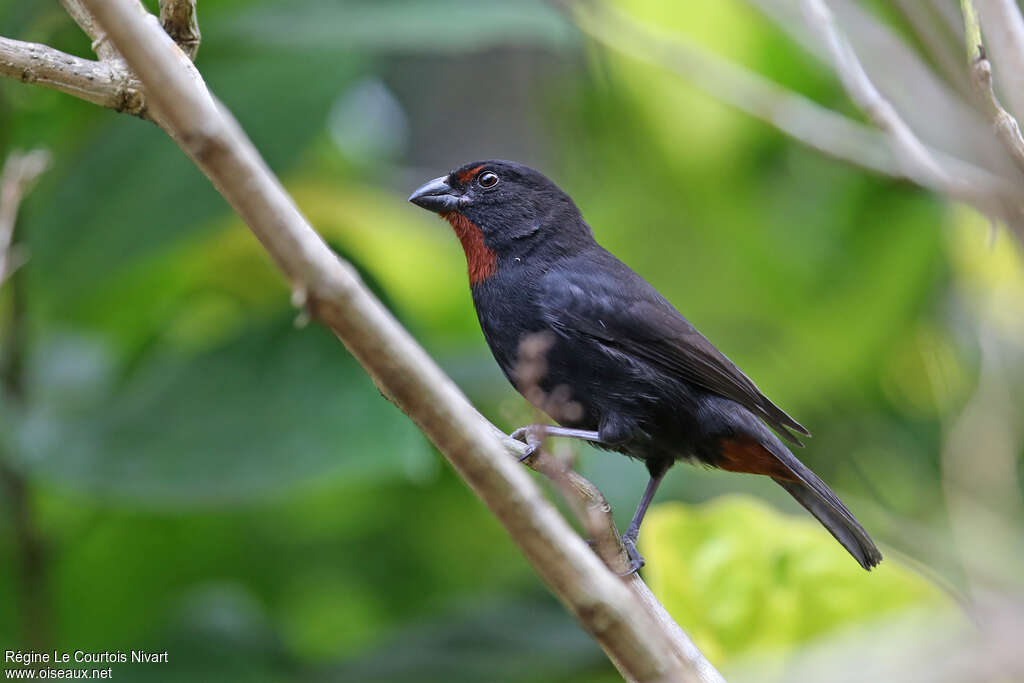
436, 196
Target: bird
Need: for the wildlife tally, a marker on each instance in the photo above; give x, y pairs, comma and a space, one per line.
598, 349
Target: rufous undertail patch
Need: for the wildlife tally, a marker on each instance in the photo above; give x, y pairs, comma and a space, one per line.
743, 454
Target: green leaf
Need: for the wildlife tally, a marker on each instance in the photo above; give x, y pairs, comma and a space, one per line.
273, 408
129, 185
746, 579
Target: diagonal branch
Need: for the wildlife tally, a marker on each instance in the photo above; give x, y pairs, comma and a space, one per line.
595, 513
642, 643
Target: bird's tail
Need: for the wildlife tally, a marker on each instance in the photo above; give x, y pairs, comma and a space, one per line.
831, 512
776, 461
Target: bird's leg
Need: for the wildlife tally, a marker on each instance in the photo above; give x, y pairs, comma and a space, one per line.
531, 435
636, 560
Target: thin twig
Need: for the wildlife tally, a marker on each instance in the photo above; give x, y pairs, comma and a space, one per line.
102, 83
795, 115
823, 129
912, 155
19, 174
87, 22
1004, 32
1003, 123
936, 40
595, 514
33, 594
178, 17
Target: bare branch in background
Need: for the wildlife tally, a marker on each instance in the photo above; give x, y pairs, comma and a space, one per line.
19, 174
630, 625
101, 83
821, 128
1003, 123
911, 155
178, 17
1004, 33
799, 117
939, 42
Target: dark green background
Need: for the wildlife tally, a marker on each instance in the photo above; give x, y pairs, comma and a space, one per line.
210, 480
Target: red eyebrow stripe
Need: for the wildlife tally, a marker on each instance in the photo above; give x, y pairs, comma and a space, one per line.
466, 176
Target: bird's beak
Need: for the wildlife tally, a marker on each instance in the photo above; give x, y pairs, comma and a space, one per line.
436, 195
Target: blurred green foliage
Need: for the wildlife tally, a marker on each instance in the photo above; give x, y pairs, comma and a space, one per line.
211, 480
752, 581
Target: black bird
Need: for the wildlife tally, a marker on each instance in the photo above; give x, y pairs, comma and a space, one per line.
621, 367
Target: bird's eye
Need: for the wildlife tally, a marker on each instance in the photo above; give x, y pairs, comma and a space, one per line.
488, 179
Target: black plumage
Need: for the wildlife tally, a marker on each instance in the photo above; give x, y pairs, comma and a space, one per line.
620, 365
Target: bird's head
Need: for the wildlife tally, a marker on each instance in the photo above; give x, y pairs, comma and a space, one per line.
504, 210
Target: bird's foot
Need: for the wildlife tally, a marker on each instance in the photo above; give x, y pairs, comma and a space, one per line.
636, 560
530, 437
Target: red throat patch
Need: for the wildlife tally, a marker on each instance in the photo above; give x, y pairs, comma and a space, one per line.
482, 262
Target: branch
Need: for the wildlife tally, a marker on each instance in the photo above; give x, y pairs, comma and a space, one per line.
911, 154
595, 513
1004, 29
823, 129
936, 41
916, 160
87, 22
1004, 125
178, 17
638, 643
35, 606
19, 174
797, 116
101, 83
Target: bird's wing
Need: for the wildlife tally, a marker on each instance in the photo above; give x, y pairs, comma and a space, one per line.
621, 310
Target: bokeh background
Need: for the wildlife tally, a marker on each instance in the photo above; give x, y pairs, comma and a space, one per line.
187, 470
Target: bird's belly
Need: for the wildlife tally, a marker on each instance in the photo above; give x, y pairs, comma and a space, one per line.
637, 409
583, 384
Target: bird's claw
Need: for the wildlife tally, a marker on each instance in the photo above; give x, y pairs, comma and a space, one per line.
530, 450
530, 437
636, 560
